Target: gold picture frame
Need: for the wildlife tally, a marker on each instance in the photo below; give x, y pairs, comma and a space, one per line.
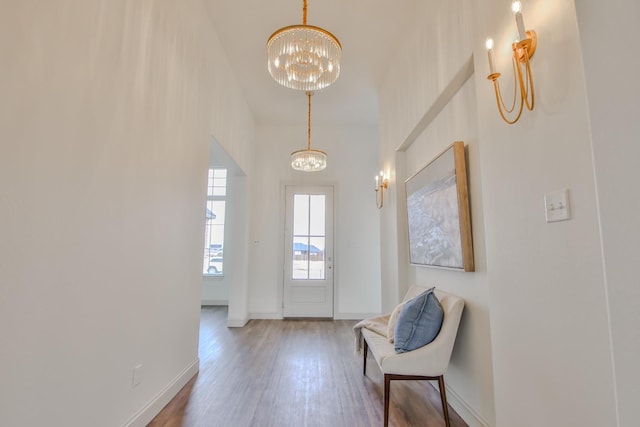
439, 219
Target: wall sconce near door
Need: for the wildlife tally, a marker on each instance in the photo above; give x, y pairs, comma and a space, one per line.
523, 50
382, 183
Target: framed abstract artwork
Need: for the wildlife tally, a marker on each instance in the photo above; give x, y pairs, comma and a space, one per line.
438, 212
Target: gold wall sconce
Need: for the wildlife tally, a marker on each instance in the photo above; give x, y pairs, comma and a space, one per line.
523, 50
382, 183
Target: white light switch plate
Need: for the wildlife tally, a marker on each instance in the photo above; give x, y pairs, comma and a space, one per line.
137, 376
557, 206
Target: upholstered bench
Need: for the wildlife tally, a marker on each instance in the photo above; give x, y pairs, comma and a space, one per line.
425, 363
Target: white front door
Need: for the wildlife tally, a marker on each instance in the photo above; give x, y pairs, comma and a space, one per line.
308, 254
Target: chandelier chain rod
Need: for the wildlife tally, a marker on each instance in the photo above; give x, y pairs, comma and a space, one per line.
309, 121
304, 12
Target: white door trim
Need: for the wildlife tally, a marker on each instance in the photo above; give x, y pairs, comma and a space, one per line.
314, 297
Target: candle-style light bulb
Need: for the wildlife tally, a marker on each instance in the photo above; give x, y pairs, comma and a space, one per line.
377, 187
516, 7
492, 61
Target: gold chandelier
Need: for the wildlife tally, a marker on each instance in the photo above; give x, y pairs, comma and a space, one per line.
304, 57
309, 160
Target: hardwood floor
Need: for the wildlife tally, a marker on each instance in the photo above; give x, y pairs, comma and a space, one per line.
292, 373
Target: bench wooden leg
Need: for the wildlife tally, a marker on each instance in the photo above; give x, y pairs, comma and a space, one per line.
443, 397
365, 350
387, 389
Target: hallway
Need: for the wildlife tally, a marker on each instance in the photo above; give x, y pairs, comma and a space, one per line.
291, 373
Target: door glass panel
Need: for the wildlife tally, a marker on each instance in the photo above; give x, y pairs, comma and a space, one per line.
316, 215
300, 258
308, 253
316, 258
300, 214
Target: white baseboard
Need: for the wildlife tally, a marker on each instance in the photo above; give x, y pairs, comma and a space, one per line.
355, 316
236, 323
338, 316
208, 302
466, 412
153, 408
266, 316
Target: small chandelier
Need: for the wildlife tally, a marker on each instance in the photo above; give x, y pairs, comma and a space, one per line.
304, 57
309, 160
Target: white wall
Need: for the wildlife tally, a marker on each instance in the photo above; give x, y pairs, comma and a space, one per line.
543, 285
549, 323
457, 122
417, 123
613, 90
351, 166
106, 113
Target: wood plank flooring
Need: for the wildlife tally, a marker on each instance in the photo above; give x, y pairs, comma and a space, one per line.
292, 373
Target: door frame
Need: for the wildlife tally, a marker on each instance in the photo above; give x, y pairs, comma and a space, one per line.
281, 243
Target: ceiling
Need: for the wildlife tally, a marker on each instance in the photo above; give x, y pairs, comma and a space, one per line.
368, 30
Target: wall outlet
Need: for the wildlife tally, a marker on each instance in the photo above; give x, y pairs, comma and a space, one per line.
137, 376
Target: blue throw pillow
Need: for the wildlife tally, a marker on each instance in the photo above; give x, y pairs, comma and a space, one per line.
419, 322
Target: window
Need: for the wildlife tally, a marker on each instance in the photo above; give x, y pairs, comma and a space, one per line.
214, 228
308, 237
